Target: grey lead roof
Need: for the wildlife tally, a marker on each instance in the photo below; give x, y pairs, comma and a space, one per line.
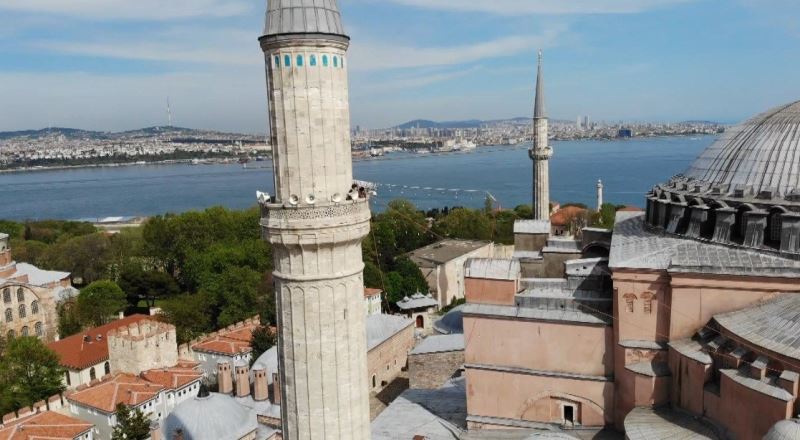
538, 108
659, 424
763, 152
773, 325
532, 226
493, 269
634, 247
440, 344
302, 17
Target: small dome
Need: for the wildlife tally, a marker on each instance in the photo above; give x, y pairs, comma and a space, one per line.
214, 417
784, 430
451, 323
761, 153
267, 361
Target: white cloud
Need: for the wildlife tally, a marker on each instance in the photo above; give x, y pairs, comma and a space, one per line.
515, 7
131, 9
369, 56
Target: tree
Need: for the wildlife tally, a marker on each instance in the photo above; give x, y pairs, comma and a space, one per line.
132, 424
264, 338
465, 224
29, 372
235, 293
99, 302
524, 212
69, 321
141, 285
191, 314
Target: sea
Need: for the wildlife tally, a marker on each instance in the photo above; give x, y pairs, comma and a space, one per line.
628, 168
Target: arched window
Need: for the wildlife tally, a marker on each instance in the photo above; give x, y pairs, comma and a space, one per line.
325, 61
648, 297
92, 374
6, 295
9, 315
22, 312
20, 295
630, 300
739, 232
335, 61
277, 61
299, 61
313, 60
38, 329
374, 381
34, 307
107, 368
774, 228
342, 62
287, 61
25, 331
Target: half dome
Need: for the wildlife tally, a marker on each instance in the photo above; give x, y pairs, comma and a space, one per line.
761, 154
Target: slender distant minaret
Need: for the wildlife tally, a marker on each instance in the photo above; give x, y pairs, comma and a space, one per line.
540, 153
315, 223
599, 195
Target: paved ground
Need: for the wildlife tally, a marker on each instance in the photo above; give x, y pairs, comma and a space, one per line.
379, 402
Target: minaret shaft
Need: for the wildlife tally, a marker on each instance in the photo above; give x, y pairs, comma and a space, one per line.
315, 227
540, 152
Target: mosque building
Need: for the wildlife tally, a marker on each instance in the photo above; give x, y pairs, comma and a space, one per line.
682, 322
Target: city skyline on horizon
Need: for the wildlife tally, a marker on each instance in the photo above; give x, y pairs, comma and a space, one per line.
434, 60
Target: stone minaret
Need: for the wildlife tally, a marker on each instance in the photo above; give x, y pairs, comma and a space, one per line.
315, 223
599, 195
540, 153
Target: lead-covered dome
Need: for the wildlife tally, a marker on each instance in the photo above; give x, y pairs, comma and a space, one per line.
210, 416
784, 430
762, 154
303, 17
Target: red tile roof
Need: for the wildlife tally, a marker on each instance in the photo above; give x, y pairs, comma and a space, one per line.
45, 425
563, 216
630, 209
229, 342
90, 347
176, 377
122, 388
370, 292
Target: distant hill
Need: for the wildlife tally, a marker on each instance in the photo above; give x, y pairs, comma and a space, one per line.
74, 133
470, 123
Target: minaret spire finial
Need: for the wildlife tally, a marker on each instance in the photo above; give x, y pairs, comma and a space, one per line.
539, 110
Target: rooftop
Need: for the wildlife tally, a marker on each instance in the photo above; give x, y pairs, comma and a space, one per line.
44, 425
532, 227
773, 325
761, 153
635, 247
659, 424
417, 301
564, 216
302, 17
492, 269
122, 388
444, 251
380, 328
230, 341
39, 277
440, 344
90, 347
369, 292
176, 377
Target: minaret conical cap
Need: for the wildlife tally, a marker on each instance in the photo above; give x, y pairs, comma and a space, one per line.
539, 110
303, 17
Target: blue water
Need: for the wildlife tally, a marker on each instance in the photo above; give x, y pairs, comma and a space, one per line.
629, 168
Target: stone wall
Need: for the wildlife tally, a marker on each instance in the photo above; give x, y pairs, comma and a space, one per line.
387, 360
145, 345
431, 370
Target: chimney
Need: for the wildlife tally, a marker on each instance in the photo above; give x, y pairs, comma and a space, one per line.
261, 388
224, 379
155, 431
276, 389
789, 382
242, 380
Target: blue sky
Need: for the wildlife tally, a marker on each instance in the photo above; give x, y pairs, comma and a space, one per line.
110, 64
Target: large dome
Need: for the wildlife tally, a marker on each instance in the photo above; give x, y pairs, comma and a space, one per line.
213, 417
762, 154
784, 430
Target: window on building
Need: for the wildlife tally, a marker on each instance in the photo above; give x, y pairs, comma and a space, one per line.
92, 374
25, 332
107, 368
325, 61
6, 295
287, 61
374, 381
22, 311
647, 297
68, 381
277, 61
342, 62
20, 295
630, 299
299, 61
34, 307
313, 60
335, 61
38, 329
9, 315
